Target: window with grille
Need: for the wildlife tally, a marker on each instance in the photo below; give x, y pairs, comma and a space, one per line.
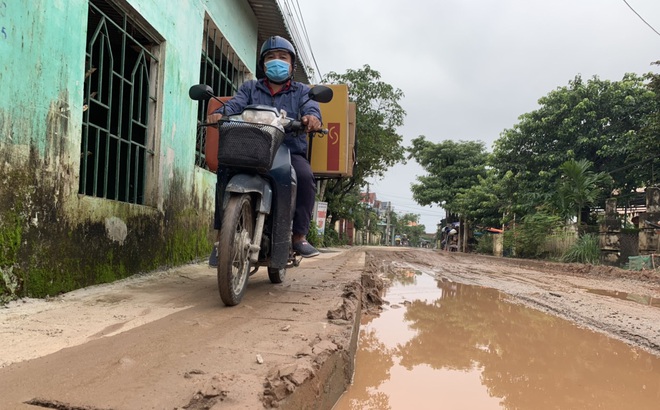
223, 71
121, 68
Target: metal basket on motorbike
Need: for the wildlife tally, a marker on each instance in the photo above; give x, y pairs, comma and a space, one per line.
248, 145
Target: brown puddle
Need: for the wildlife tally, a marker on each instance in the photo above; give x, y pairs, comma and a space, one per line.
444, 345
641, 299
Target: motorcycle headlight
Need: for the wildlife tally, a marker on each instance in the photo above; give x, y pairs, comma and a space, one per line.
259, 116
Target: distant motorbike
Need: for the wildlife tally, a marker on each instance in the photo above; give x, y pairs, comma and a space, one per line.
258, 197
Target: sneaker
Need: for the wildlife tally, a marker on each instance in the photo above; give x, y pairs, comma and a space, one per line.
213, 259
305, 249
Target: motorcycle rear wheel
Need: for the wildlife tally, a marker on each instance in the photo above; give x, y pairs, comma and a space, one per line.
276, 275
233, 250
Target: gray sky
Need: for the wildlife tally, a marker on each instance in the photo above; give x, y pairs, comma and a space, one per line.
470, 68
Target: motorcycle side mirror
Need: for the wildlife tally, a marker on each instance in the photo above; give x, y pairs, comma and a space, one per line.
321, 93
200, 92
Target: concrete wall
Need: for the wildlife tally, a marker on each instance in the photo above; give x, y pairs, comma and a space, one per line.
649, 236
609, 231
617, 246
53, 239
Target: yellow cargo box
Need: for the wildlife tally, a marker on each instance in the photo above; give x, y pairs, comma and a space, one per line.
333, 155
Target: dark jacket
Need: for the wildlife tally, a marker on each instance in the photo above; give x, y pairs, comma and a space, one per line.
289, 99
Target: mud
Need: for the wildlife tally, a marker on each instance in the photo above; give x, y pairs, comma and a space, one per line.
164, 340
583, 294
443, 344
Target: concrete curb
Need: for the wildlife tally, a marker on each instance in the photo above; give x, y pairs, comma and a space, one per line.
335, 365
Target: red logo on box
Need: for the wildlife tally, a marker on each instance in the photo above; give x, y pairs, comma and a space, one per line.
333, 146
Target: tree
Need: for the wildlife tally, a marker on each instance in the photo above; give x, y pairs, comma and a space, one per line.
408, 224
645, 155
486, 202
366, 219
597, 120
378, 115
452, 167
579, 187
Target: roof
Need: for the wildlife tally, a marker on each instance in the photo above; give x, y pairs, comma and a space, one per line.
272, 22
494, 230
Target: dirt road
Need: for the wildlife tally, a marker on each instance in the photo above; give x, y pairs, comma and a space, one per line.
164, 340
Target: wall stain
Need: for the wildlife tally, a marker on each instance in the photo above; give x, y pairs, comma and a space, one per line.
46, 250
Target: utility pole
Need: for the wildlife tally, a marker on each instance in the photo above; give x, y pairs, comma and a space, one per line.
465, 234
393, 230
387, 229
366, 219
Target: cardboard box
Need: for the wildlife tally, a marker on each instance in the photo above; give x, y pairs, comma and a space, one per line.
333, 155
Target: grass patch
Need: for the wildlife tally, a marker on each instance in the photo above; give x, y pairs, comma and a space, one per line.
585, 250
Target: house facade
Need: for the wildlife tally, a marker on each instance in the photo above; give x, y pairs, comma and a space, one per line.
103, 172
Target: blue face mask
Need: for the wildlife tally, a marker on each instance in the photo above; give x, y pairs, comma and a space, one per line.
277, 70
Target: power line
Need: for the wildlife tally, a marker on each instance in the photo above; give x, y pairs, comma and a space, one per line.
642, 18
292, 26
644, 161
416, 209
296, 25
309, 45
407, 198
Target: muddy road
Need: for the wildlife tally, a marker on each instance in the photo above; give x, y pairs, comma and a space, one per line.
165, 341
622, 304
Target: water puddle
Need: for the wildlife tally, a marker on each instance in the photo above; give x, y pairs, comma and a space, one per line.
641, 299
444, 345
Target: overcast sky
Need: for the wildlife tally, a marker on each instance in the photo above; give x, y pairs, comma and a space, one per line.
470, 68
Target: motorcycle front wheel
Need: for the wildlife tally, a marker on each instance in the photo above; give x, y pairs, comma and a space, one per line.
233, 250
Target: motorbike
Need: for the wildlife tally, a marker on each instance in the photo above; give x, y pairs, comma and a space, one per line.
256, 192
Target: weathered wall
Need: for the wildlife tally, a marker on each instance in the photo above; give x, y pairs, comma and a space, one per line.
617, 246
649, 239
51, 238
609, 231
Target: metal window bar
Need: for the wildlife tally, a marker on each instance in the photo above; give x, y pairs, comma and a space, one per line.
115, 134
223, 71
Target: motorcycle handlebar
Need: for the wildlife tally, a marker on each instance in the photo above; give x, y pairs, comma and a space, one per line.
298, 126
292, 127
206, 124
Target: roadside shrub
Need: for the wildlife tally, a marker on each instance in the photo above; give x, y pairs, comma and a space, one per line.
528, 239
630, 231
313, 236
484, 244
559, 243
585, 250
331, 237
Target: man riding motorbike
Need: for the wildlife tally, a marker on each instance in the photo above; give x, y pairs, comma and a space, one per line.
278, 89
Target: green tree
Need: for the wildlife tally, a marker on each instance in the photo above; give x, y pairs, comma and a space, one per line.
645, 155
579, 187
487, 202
526, 239
378, 115
597, 120
366, 220
452, 168
408, 224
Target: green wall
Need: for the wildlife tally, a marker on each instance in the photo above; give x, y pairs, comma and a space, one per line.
51, 238
42, 50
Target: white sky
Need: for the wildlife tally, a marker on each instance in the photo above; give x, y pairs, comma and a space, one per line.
470, 68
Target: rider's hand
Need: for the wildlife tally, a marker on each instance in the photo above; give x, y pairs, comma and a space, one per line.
213, 118
311, 123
